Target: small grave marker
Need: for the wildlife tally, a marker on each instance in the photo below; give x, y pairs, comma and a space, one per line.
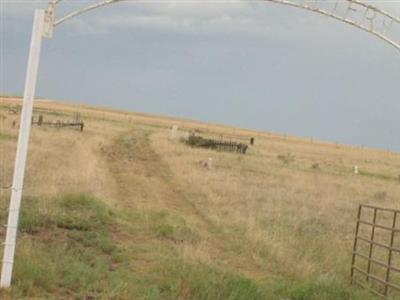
174, 131
355, 170
209, 163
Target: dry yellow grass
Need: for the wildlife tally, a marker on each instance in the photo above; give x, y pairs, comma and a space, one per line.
255, 214
287, 207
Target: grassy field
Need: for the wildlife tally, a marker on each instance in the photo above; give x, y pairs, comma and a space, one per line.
122, 211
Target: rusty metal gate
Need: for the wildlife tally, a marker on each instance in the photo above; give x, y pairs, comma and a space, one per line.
376, 252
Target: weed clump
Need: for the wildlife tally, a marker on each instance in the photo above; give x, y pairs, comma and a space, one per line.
171, 227
315, 166
286, 158
178, 233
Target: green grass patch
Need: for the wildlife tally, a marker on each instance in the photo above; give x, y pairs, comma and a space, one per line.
71, 212
180, 280
162, 225
185, 281
53, 268
81, 212
168, 226
325, 287
66, 247
67, 250
377, 175
177, 233
6, 136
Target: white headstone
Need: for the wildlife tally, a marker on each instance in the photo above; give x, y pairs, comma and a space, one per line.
174, 131
355, 169
209, 163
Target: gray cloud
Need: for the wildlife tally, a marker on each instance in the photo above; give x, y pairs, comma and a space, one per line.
251, 64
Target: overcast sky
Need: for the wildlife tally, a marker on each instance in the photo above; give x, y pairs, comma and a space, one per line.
252, 64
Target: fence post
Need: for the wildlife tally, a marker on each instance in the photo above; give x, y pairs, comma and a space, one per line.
353, 261
371, 246
390, 254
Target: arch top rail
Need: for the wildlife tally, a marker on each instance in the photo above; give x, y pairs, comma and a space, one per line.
357, 13
84, 10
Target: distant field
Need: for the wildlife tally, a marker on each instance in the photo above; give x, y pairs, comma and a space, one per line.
121, 211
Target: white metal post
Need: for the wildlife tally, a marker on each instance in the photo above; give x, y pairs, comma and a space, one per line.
22, 149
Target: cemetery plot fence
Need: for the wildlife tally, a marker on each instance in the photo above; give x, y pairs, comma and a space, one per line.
216, 144
59, 123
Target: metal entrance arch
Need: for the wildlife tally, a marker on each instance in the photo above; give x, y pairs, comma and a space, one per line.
353, 12
356, 13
